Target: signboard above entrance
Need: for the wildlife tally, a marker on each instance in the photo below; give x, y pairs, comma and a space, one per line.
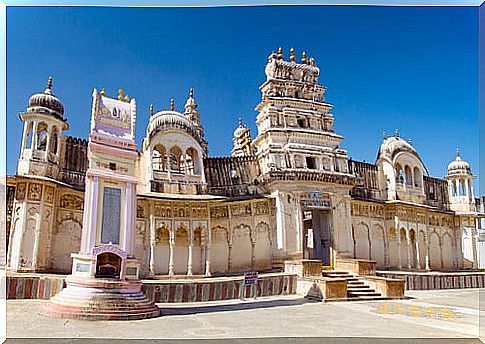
315, 200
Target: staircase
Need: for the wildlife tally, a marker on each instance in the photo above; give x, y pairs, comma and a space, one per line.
357, 288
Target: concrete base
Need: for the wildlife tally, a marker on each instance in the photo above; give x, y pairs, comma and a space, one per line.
101, 299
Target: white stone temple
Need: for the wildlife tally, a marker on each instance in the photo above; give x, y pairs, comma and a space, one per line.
290, 193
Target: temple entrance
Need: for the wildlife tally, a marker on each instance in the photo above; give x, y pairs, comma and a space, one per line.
108, 265
317, 238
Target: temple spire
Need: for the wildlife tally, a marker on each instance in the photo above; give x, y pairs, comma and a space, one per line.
303, 58
292, 55
279, 56
48, 89
151, 109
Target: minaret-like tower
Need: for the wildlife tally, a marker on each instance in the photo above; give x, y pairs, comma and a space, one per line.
241, 140
193, 115
41, 141
460, 185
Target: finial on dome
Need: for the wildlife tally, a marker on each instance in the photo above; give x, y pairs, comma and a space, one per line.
384, 135
127, 99
120, 94
151, 109
191, 92
397, 133
279, 56
303, 58
457, 152
240, 122
410, 141
103, 92
172, 104
292, 55
49, 83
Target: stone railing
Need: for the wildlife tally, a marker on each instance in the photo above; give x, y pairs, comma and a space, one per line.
307, 175
74, 178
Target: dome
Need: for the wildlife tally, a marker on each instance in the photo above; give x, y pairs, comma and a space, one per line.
171, 120
46, 102
459, 165
394, 145
240, 130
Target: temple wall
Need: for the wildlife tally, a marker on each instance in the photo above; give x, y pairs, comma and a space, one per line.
405, 237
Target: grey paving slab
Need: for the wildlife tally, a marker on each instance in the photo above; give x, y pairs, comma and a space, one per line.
452, 313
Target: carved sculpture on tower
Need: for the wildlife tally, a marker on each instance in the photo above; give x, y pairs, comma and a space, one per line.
104, 280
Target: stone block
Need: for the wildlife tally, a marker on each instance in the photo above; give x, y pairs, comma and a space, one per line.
388, 287
324, 289
357, 266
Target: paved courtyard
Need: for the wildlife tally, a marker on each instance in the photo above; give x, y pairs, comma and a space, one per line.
442, 313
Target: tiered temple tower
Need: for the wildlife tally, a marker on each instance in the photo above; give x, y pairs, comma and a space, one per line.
296, 141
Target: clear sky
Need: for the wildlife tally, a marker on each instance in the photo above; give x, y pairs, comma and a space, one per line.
412, 68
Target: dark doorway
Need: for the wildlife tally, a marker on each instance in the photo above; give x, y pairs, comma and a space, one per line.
108, 265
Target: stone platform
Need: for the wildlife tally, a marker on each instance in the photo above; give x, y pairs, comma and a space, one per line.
101, 299
164, 290
416, 280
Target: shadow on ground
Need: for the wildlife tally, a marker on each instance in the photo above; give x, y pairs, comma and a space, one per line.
168, 309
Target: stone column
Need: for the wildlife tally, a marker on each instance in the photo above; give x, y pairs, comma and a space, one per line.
25, 135
427, 261
253, 256
208, 251
229, 257
457, 185
416, 244
169, 168
59, 140
48, 144
38, 228
171, 263
128, 217
280, 223
34, 136
408, 249
467, 191
94, 213
208, 260
152, 240
189, 260
399, 243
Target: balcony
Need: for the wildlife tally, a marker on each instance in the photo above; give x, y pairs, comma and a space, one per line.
307, 175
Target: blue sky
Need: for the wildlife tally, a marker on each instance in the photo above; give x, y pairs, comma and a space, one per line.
412, 68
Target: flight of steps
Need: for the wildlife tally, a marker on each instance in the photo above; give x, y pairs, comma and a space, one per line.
357, 289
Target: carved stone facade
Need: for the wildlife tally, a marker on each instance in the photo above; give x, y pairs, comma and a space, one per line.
290, 193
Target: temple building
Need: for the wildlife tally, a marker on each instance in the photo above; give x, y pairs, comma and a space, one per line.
290, 193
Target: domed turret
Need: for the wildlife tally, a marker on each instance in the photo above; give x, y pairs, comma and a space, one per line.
460, 185
46, 102
43, 125
458, 166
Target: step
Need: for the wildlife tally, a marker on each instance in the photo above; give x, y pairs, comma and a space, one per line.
362, 293
359, 289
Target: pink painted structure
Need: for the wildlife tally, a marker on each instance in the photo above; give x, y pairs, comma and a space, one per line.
104, 283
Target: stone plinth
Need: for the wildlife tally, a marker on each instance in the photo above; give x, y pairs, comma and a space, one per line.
390, 288
357, 266
304, 267
101, 299
324, 289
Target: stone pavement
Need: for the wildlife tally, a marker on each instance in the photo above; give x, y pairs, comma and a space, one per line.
438, 313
